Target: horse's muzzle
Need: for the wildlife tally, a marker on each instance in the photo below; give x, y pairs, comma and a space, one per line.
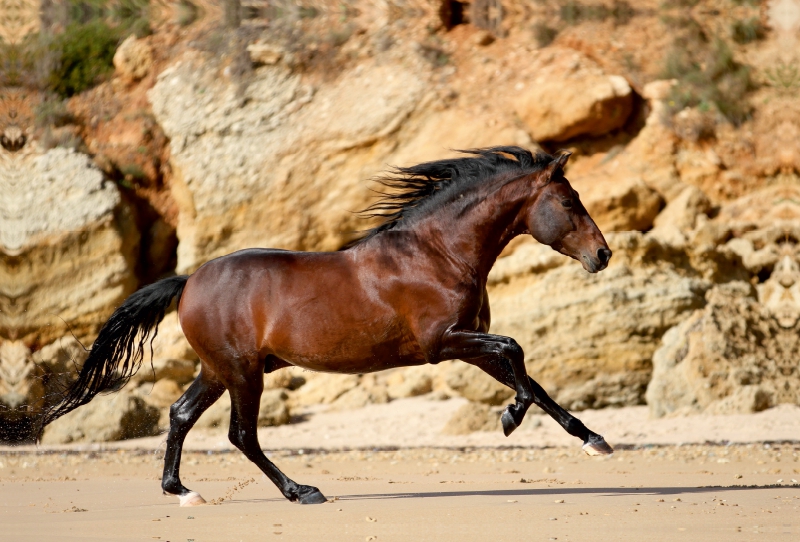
597, 262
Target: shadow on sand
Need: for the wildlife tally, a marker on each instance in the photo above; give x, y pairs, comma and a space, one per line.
553, 491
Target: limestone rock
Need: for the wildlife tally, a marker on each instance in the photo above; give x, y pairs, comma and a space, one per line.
268, 157
753, 260
604, 389
171, 343
529, 256
680, 216
20, 378
475, 385
410, 382
69, 246
565, 105
697, 167
367, 392
161, 394
649, 157
273, 410
116, 416
264, 53
472, 417
323, 388
133, 59
180, 370
780, 294
734, 356
64, 355
620, 204
288, 378
22, 393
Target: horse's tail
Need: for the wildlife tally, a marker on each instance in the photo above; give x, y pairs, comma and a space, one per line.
116, 355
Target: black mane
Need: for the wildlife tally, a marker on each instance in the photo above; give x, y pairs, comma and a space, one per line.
423, 187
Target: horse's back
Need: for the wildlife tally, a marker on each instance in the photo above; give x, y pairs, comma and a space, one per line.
313, 309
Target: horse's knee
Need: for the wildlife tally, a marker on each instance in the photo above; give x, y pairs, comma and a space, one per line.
513, 350
178, 417
509, 349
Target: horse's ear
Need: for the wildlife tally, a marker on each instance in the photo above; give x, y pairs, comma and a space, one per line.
549, 171
558, 163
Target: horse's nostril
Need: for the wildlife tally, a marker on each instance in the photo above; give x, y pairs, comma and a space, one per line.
603, 254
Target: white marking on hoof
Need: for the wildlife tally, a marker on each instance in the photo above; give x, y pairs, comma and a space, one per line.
597, 448
192, 498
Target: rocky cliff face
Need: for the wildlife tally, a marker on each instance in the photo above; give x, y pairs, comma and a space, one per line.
69, 245
269, 139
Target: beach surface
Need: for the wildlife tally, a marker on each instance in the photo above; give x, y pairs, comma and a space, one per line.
390, 474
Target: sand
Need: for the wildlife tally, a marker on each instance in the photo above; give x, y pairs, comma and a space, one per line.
391, 476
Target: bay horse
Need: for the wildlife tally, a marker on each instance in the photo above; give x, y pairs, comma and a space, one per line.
411, 291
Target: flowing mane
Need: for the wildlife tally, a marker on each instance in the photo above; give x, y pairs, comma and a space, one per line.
427, 186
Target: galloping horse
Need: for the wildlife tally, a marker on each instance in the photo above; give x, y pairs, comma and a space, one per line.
409, 292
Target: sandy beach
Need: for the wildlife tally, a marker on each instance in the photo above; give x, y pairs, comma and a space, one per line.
692, 478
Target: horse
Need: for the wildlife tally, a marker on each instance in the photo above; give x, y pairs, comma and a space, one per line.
410, 291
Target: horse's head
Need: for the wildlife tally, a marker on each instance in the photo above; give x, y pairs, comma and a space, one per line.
556, 217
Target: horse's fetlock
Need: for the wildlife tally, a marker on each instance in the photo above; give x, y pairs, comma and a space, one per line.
576, 428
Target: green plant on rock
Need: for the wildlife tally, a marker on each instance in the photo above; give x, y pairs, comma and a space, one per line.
129, 10
747, 31
52, 111
84, 55
132, 172
573, 12
187, 13
708, 76
543, 34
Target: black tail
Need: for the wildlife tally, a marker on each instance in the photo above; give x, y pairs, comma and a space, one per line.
117, 354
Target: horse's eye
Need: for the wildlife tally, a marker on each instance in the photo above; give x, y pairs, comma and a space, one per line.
567, 204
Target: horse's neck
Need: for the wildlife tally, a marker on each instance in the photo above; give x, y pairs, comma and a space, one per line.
478, 228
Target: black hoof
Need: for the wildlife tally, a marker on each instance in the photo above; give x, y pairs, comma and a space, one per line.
509, 424
310, 495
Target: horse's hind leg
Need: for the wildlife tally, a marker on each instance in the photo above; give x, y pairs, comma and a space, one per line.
203, 392
500, 370
245, 398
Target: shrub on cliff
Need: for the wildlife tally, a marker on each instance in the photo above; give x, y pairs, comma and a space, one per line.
708, 75
84, 55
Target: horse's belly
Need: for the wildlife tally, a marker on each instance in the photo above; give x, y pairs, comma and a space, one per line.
348, 349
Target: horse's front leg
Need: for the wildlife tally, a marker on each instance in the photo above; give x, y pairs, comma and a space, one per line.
593, 444
471, 345
502, 370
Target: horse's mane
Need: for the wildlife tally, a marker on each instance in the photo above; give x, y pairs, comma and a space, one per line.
427, 186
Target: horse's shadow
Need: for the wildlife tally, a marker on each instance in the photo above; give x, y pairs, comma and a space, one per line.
551, 491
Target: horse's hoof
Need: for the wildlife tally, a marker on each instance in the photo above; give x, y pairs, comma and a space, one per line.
192, 498
311, 495
598, 447
508, 422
